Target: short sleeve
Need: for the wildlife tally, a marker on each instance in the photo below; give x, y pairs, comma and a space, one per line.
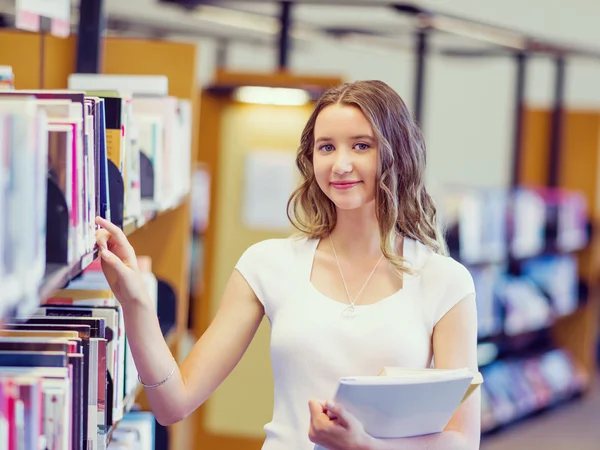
265, 267
458, 285
251, 265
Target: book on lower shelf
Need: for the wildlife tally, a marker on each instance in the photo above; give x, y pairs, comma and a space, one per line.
73, 356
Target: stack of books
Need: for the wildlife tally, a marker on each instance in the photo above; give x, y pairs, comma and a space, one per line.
67, 376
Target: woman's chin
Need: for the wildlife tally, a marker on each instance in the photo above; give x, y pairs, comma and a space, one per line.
348, 204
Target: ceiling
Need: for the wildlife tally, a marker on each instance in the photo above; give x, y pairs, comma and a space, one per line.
373, 25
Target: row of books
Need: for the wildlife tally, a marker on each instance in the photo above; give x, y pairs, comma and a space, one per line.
546, 288
515, 389
67, 375
67, 156
494, 225
155, 128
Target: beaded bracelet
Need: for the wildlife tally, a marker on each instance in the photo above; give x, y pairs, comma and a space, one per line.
159, 383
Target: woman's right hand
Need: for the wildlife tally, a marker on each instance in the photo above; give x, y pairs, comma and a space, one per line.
119, 263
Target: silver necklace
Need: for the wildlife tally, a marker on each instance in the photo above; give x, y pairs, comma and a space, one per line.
350, 311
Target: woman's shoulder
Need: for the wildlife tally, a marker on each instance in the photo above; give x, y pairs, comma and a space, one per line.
278, 250
268, 265
443, 282
441, 269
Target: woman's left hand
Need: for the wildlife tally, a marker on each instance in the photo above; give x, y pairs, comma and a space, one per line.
334, 428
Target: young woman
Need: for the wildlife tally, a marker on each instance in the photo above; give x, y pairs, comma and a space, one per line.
367, 284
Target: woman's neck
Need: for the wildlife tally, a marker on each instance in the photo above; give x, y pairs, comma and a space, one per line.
356, 233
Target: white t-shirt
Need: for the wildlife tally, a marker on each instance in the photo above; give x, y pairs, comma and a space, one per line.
313, 345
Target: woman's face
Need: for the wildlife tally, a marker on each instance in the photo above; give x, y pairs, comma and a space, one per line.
345, 156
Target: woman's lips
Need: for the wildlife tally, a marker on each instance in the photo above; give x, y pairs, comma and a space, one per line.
344, 185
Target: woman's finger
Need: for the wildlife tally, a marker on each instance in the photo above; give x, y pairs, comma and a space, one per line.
115, 232
112, 260
338, 412
102, 238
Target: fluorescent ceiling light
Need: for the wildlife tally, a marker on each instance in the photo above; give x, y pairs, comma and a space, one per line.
271, 95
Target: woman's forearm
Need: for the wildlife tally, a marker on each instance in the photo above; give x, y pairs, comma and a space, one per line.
447, 440
154, 361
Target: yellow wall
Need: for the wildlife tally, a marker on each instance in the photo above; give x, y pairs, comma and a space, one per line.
243, 404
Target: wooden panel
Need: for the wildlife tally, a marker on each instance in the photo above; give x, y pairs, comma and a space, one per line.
211, 108
208, 155
176, 60
534, 155
59, 61
579, 334
166, 241
578, 171
21, 50
579, 160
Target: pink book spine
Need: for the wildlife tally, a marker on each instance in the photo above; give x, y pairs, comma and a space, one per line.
75, 183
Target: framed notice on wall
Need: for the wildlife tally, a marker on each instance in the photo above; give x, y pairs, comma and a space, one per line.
270, 177
31, 14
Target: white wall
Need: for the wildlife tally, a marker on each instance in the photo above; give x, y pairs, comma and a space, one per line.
469, 103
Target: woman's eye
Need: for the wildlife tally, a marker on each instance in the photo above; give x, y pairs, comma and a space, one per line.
326, 148
362, 146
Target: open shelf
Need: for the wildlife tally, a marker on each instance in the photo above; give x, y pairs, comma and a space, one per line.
58, 276
149, 213
129, 403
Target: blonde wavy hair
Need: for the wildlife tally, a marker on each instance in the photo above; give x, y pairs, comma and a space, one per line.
403, 206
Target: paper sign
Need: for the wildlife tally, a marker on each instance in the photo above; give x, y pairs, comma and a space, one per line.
269, 180
30, 12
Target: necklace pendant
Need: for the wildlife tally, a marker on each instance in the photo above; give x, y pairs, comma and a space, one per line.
349, 312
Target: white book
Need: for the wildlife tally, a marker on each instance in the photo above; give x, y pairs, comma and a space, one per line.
167, 108
20, 132
184, 158
90, 185
151, 143
136, 84
402, 403
133, 193
41, 195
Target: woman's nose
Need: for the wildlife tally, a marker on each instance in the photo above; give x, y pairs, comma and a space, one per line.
343, 163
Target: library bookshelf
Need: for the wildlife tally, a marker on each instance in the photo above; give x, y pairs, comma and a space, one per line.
163, 235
